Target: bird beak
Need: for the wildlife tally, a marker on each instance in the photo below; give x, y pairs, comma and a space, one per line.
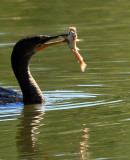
46, 45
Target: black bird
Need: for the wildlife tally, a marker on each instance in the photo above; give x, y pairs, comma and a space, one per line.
22, 53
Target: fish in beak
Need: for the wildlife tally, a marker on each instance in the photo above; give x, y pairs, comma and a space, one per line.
71, 39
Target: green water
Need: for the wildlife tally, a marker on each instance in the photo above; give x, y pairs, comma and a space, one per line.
86, 115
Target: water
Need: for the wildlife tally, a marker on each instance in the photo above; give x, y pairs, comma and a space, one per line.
86, 115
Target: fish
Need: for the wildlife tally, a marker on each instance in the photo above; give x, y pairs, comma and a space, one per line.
71, 40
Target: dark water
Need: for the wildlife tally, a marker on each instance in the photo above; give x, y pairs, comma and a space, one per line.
86, 115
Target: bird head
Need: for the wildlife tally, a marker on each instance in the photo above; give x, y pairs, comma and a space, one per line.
30, 45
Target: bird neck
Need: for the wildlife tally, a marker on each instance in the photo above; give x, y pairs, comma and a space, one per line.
31, 91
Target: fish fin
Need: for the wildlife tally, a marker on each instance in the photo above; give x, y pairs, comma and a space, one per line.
77, 48
77, 40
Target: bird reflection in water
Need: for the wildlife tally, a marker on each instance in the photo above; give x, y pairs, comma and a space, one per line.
27, 130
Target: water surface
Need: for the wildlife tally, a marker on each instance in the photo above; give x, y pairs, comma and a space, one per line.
86, 115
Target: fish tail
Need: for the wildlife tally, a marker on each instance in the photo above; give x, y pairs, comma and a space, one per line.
83, 66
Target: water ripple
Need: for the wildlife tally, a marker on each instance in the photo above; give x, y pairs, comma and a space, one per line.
55, 100
6, 44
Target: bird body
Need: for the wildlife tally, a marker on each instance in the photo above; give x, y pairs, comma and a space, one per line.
9, 96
